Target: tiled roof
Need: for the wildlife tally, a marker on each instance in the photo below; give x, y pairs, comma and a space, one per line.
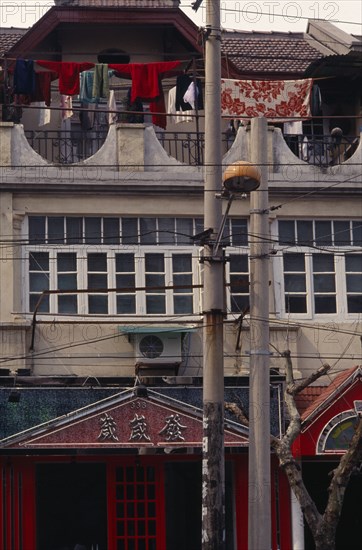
327, 392
307, 396
279, 53
9, 37
119, 3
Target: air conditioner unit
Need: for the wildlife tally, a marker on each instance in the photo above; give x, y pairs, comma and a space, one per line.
158, 348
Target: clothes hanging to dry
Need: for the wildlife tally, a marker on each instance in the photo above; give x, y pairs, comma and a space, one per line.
68, 74
277, 100
145, 77
188, 95
24, 77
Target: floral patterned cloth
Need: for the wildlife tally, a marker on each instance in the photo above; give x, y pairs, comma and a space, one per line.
276, 100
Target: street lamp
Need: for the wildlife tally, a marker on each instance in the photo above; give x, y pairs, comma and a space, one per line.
241, 177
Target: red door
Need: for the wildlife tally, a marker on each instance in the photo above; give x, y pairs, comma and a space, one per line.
136, 506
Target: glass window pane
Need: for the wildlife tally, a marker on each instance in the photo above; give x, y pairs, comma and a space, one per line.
294, 283
239, 263
92, 230
67, 282
239, 284
126, 304
323, 232
97, 304
324, 283
325, 304
74, 230
166, 230
38, 282
67, 304
354, 283
239, 303
37, 229
129, 231
56, 232
66, 261
184, 230
357, 233
323, 262
97, 262
342, 235
181, 263
199, 225
239, 232
294, 262
39, 261
125, 281
182, 304
295, 304
286, 232
44, 304
155, 304
305, 233
354, 262
97, 281
111, 230
155, 281
124, 263
154, 262
148, 231
354, 304
183, 280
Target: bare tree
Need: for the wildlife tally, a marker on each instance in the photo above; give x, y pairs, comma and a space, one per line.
323, 526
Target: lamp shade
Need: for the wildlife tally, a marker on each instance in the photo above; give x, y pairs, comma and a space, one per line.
241, 177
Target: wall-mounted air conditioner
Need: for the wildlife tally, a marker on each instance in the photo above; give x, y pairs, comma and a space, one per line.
158, 348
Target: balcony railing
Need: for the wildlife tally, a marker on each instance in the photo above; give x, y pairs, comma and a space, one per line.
321, 150
67, 147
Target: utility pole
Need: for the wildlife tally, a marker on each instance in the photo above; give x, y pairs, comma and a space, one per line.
213, 475
259, 509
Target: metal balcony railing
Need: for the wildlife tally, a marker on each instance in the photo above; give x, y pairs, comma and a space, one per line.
322, 151
67, 147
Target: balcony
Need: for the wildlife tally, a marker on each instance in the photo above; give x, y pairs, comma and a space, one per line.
68, 147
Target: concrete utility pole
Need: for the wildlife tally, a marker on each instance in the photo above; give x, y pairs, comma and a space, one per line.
259, 512
213, 476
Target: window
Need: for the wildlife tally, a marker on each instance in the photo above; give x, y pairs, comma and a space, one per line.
322, 267
98, 263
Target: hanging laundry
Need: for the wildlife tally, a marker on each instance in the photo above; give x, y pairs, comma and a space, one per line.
316, 101
101, 80
112, 108
178, 116
294, 127
158, 110
44, 113
145, 77
276, 100
133, 111
43, 82
185, 86
66, 105
68, 74
24, 77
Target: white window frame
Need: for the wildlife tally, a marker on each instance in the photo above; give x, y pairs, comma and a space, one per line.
139, 252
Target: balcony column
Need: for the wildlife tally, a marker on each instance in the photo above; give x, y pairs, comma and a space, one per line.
131, 147
5, 143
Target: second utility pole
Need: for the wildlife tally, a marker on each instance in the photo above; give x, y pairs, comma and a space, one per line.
259, 509
213, 484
